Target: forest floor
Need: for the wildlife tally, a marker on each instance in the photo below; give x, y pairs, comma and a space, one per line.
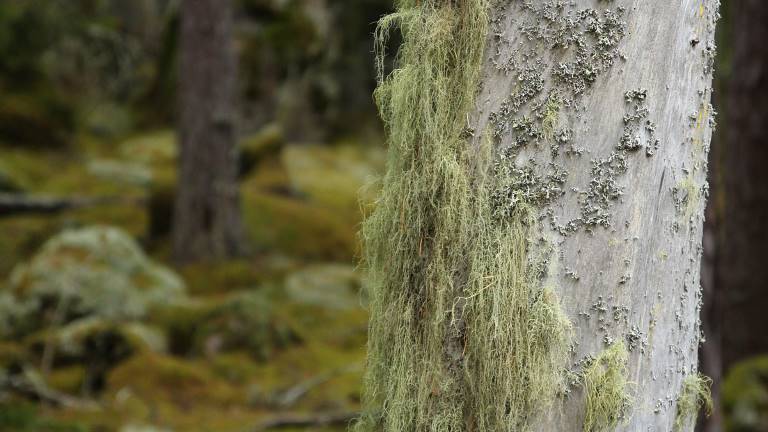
279, 333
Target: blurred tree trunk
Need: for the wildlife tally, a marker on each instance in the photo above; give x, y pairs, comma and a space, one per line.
207, 220
743, 242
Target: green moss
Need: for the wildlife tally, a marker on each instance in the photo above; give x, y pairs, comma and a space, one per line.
745, 395
254, 148
462, 336
154, 377
25, 417
606, 387
68, 379
297, 228
241, 321
695, 394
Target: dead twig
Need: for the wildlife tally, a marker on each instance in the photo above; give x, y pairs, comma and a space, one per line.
307, 420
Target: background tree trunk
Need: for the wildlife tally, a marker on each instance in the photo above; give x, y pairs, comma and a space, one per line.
743, 238
207, 214
736, 299
600, 116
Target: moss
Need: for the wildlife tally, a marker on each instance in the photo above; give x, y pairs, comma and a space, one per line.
241, 321
606, 387
158, 378
11, 354
25, 417
745, 395
254, 148
695, 394
223, 277
297, 228
441, 263
67, 379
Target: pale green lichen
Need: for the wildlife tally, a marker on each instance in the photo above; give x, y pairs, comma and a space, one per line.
607, 389
695, 394
463, 336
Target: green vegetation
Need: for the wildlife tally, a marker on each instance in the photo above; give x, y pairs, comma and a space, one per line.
745, 396
442, 263
606, 387
695, 394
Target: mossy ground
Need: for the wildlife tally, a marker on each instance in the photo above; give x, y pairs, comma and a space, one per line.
241, 339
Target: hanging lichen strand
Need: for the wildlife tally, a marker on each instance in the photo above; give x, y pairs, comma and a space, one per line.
463, 336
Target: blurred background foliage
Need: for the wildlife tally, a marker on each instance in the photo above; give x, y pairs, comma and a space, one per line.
98, 331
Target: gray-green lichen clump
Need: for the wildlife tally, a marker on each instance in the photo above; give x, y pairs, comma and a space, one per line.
694, 395
463, 334
606, 387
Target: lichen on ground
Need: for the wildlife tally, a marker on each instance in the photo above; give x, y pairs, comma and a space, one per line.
463, 335
607, 389
695, 394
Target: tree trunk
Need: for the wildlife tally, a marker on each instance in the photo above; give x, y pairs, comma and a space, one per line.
533, 261
743, 237
207, 214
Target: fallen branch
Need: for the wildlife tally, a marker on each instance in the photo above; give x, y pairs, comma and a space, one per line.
307, 420
29, 385
292, 395
14, 204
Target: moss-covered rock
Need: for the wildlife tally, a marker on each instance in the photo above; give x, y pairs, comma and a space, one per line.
333, 286
295, 227
244, 321
157, 378
8, 183
307, 203
153, 148
87, 337
98, 271
334, 176
68, 379
120, 172
745, 396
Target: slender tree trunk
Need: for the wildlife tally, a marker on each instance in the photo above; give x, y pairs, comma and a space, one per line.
207, 214
552, 223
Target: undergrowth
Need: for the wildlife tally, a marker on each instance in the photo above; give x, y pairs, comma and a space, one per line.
606, 388
694, 395
463, 336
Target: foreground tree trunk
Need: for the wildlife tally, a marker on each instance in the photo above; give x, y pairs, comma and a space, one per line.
533, 261
207, 214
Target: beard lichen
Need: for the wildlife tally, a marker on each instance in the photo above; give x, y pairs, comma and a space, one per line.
462, 335
607, 389
695, 394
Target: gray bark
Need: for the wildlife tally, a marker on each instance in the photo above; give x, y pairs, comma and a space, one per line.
634, 275
207, 221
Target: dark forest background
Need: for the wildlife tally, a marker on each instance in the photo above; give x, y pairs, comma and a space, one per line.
144, 288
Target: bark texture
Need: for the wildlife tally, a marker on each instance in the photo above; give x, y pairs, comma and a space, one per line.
743, 240
629, 271
207, 220
588, 205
